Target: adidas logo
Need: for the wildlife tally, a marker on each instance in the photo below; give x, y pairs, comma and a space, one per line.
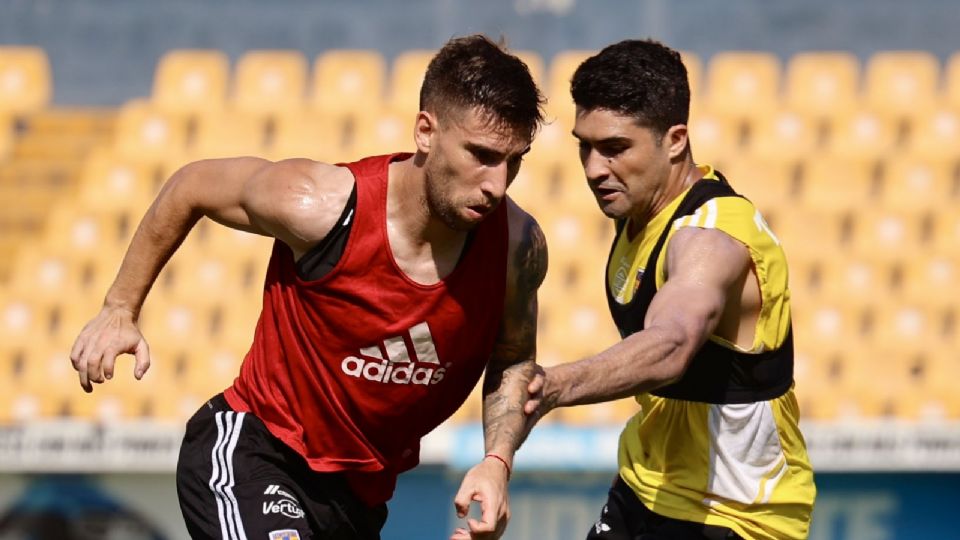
390, 362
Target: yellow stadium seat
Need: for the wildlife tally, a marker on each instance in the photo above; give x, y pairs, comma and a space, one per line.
942, 372
906, 327
406, 78
887, 235
862, 135
815, 384
348, 82
191, 81
901, 84
858, 279
597, 414
315, 136
810, 233
24, 320
202, 280
269, 82
783, 135
172, 323
916, 184
946, 233
25, 79
767, 182
529, 186
836, 184
935, 136
930, 278
714, 139
557, 90
50, 377
147, 134
227, 135
46, 276
742, 85
114, 184
210, 369
579, 329
828, 327
554, 144
83, 233
6, 137
821, 85
383, 132
235, 325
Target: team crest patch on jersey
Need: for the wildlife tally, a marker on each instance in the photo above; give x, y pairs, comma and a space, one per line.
285, 534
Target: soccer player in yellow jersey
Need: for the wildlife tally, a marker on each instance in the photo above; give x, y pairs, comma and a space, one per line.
697, 285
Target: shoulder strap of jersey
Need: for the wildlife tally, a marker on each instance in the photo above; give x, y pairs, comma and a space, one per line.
716, 374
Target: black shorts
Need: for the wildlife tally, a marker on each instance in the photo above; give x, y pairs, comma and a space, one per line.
235, 481
624, 517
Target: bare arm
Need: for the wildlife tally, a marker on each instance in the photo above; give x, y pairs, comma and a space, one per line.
509, 372
512, 364
250, 194
704, 267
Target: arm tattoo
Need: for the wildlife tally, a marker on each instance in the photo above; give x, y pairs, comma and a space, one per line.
512, 362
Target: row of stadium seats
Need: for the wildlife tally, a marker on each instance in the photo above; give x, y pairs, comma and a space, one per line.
147, 133
737, 83
863, 201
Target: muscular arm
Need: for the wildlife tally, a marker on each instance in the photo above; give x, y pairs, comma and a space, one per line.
250, 194
296, 201
704, 267
512, 364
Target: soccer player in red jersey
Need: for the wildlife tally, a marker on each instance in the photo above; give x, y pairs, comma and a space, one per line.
394, 283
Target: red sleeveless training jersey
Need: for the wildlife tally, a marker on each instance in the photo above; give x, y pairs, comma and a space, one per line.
352, 369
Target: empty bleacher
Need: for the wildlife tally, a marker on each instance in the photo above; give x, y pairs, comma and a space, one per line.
855, 164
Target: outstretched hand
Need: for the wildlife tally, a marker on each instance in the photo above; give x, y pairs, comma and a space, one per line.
541, 396
111, 333
485, 483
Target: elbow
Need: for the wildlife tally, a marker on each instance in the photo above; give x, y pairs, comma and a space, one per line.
681, 348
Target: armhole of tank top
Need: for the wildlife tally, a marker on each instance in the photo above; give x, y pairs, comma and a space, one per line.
324, 256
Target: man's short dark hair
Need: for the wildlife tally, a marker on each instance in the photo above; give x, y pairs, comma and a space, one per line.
639, 78
473, 71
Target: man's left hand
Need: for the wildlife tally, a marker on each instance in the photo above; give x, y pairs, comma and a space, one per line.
485, 483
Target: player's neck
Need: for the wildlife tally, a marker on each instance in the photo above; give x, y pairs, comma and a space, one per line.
407, 208
682, 175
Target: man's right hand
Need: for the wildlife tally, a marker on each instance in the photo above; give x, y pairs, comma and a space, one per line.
111, 333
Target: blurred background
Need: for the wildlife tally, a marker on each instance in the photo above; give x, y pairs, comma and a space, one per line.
840, 120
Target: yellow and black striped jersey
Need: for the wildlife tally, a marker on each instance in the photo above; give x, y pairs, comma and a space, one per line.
741, 465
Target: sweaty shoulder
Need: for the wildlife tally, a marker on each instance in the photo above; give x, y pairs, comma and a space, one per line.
527, 251
735, 216
298, 201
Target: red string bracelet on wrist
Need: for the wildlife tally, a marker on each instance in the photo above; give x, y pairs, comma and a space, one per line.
501, 460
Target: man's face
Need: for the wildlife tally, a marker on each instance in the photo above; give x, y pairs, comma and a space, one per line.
627, 165
470, 163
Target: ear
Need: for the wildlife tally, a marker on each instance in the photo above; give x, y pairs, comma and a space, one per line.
676, 140
423, 130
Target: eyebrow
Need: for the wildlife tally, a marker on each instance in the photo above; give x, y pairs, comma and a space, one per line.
606, 141
476, 147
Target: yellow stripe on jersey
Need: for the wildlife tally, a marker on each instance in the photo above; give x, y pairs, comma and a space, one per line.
742, 466
738, 218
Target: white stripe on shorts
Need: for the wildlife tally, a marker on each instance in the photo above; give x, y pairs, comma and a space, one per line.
229, 424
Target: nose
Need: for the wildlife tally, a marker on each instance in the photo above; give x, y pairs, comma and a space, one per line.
594, 165
495, 183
